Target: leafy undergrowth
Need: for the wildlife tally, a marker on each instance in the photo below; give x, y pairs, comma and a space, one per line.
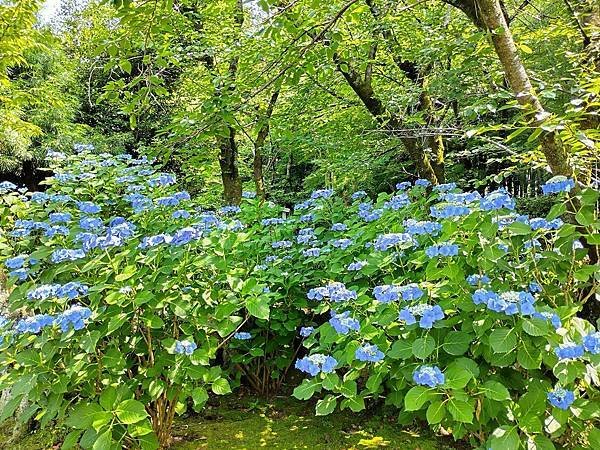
281, 423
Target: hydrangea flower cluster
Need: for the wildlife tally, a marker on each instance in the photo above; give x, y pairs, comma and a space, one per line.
449, 211
311, 252
74, 317
477, 280
561, 398
341, 243
71, 290
367, 213
423, 227
64, 254
539, 223
444, 187
356, 266
430, 376
281, 244
185, 347
558, 184
391, 292
463, 198
339, 227
384, 242
343, 323
306, 331
429, 315
397, 202
358, 195
335, 291
321, 193
272, 221
242, 336
403, 185
369, 353
498, 199
445, 249
509, 303
316, 363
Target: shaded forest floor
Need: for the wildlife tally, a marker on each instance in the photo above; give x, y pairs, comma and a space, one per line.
280, 423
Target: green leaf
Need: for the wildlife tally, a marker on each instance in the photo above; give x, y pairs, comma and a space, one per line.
221, 386
258, 307
495, 391
103, 441
536, 327
423, 347
503, 340
70, 440
401, 349
356, 403
131, 411
436, 412
326, 405
200, 396
461, 411
306, 389
504, 438
417, 396
82, 416
457, 342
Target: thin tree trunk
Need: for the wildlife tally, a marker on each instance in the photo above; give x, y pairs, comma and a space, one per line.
263, 132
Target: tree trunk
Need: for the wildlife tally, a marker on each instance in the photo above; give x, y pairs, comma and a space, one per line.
228, 160
263, 132
388, 120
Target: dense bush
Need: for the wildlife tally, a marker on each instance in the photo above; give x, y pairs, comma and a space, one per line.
131, 302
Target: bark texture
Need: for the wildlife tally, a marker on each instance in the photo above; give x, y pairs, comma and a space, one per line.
259, 143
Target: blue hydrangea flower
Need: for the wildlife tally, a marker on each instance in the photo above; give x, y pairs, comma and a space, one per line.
403, 185
497, 200
367, 213
185, 347
444, 187
384, 242
64, 254
552, 317
321, 193
306, 331
43, 292
429, 314
242, 336
89, 207
153, 241
423, 227
422, 182
369, 353
397, 202
311, 252
407, 316
272, 221
281, 244
476, 279
56, 230
591, 343
17, 262
463, 198
445, 249
185, 236
163, 179
335, 291
561, 398
448, 211
339, 227
343, 323
358, 195
180, 214
430, 376
20, 274
558, 184
56, 218
570, 350
230, 209
248, 194
316, 363
7, 186
310, 217
341, 243
73, 317
304, 205
167, 201
534, 287
91, 223
34, 324
356, 266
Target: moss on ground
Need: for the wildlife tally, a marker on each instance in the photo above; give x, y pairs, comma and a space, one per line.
282, 423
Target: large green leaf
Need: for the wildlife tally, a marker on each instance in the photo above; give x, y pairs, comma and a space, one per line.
503, 340
131, 411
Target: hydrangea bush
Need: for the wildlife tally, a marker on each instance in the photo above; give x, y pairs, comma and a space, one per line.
131, 302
